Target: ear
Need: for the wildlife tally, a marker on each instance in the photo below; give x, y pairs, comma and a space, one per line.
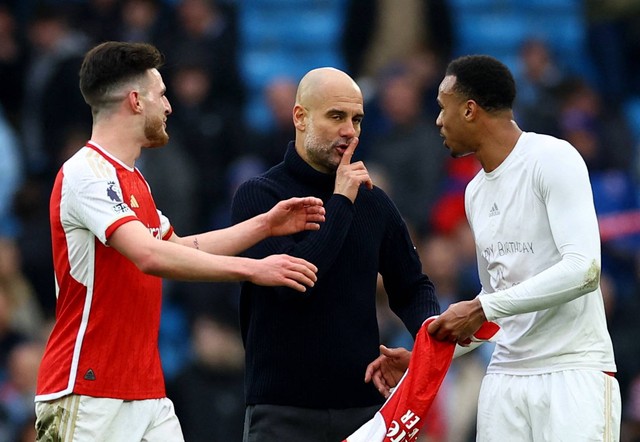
299, 117
133, 100
470, 110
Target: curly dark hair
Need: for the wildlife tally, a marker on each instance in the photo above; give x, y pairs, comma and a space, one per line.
112, 63
485, 80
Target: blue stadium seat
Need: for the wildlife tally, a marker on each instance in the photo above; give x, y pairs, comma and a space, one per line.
499, 27
285, 37
484, 31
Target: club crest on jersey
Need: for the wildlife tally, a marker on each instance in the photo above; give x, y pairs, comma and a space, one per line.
111, 192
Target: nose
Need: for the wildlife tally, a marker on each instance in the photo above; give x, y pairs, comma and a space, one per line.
439, 120
348, 130
167, 106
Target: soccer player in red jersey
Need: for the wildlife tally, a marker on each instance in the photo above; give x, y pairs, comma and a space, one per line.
101, 377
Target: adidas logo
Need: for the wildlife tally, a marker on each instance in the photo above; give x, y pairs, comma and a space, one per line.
494, 210
90, 375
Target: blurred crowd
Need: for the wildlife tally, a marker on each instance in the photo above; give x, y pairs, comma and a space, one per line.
397, 50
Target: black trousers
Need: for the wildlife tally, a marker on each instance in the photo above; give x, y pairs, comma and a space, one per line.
277, 423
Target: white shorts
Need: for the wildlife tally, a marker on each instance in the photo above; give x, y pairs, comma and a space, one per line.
76, 418
572, 405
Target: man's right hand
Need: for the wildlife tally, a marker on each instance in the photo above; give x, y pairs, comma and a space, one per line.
284, 270
387, 369
350, 176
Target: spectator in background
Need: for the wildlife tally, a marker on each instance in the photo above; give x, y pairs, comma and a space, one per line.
613, 35
208, 392
34, 243
12, 63
175, 177
280, 96
51, 78
538, 78
10, 335
17, 416
377, 33
26, 315
206, 128
606, 141
142, 21
98, 20
205, 31
407, 149
423, 69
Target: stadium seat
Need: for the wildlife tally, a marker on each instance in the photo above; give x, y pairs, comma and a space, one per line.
285, 37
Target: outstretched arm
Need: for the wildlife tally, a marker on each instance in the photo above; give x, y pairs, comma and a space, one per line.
170, 260
285, 218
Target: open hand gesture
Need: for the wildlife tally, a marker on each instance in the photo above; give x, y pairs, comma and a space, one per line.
294, 215
387, 369
284, 270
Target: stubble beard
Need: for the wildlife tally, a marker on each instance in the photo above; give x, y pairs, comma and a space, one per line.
155, 133
320, 152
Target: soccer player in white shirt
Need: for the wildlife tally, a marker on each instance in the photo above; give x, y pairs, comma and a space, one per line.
101, 378
551, 375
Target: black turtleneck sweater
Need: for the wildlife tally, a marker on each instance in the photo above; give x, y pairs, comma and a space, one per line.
311, 349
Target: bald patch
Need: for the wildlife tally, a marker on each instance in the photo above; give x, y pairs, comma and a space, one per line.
322, 83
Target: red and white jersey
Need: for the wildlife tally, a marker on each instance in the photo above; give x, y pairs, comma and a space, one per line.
105, 339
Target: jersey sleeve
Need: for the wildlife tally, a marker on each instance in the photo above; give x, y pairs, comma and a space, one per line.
92, 197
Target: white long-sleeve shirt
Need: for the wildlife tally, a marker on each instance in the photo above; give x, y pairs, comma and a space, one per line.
538, 250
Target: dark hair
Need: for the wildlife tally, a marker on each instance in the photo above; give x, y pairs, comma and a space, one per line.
485, 80
112, 63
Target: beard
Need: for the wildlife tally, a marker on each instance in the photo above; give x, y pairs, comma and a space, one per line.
320, 153
154, 132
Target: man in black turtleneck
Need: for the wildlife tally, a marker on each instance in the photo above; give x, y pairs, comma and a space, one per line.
306, 354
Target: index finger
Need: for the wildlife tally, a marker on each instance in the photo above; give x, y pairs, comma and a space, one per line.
371, 369
348, 153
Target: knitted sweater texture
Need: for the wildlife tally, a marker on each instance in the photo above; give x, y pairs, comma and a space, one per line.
311, 349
